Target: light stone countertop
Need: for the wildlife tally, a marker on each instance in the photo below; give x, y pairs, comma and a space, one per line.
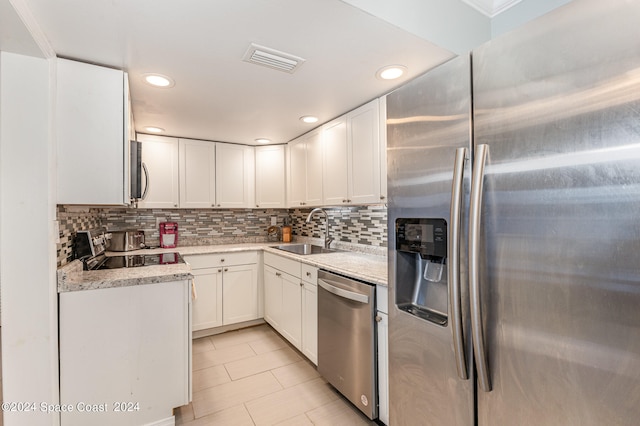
367, 267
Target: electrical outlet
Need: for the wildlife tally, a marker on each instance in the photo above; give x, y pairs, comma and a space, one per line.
274, 220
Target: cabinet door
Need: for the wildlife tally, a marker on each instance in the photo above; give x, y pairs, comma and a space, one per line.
90, 134
270, 176
383, 367
291, 322
382, 117
207, 306
314, 169
335, 157
125, 344
160, 156
272, 296
197, 173
235, 169
297, 172
364, 154
310, 322
239, 294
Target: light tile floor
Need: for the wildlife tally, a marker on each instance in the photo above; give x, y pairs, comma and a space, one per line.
254, 377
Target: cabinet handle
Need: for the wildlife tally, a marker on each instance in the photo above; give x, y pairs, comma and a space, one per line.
301, 284
348, 201
308, 274
344, 201
278, 274
222, 260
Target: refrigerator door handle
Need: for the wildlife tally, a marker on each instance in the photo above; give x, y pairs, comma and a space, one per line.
474, 266
454, 262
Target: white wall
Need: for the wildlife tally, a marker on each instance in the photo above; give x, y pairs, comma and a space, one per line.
450, 24
522, 13
27, 249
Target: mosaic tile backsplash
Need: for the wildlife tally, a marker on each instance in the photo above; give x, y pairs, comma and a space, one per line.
365, 225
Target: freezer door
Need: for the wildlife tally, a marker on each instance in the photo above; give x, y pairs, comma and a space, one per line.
558, 104
427, 120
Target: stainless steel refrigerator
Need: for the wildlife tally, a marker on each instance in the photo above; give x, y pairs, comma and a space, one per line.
514, 228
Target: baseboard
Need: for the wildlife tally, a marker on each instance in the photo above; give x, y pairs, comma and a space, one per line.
225, 328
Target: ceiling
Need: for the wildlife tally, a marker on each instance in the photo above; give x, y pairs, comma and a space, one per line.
200, 44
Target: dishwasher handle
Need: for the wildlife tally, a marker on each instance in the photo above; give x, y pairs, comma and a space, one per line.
346, 294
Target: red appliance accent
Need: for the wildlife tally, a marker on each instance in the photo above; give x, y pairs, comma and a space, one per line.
168, 234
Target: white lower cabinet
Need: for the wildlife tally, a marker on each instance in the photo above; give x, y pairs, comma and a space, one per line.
207, 306
310, 312
226, 288
290, 297
382, 319
128, 365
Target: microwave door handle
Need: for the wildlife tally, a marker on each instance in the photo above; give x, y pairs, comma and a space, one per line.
146, 181
475, 207
455, 298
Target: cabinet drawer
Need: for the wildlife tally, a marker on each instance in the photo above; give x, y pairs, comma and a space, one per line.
309, 274
290, 266
199, 261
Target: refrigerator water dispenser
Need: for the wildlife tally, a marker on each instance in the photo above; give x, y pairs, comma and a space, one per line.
421, 271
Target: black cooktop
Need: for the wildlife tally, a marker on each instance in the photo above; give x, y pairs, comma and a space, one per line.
132, 261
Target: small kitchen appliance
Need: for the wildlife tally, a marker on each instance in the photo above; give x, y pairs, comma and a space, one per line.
126, 240
168, 234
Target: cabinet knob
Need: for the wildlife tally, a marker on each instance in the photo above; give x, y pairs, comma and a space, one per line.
308, 274
344, 201
218, 205
175, 205
301, 284
222, 260
257, 205
219, 270
213, 205
278, 274
382, 197
226, 269
378, 318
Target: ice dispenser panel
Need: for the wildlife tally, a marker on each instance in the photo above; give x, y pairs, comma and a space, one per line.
421, 270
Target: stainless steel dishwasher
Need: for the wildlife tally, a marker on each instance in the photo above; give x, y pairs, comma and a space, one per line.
347, 339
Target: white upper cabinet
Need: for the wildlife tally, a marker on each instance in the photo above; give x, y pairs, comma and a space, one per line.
304, 177
297, 172
335, 162
160, 165
235, 175
92, 134
189, 173
197, 173
351, 157
363, 141
383, 149
270, 176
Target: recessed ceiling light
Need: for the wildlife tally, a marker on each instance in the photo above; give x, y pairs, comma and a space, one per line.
152, 129
391, 72
158, 80
263, 140
309, 119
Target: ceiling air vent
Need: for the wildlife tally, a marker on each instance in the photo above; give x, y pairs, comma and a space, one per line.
272, 58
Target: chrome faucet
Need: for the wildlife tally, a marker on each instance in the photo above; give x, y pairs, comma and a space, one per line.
327, 240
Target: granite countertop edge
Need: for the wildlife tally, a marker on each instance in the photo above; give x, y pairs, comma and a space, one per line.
366, 267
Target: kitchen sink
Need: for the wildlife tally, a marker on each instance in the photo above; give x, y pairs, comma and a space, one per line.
306, 249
